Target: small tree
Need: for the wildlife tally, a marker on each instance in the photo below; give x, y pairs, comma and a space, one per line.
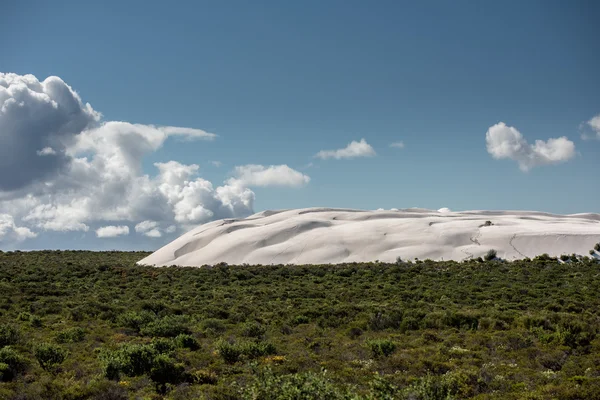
597, 247
490, 255
49, 355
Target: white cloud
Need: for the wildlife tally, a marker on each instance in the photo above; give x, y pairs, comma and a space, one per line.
353, 150
444, 210
594, 124
112, 231
398, 145
507, 142
38, 115
10, 232
46, 151
273, 175
77, 171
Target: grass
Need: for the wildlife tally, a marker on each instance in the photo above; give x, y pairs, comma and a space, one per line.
93, 325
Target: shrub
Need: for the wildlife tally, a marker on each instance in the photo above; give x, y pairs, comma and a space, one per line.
130, 359
597, 247
564, 257
163, 345
170, 326
49, 355
299, 319
229, 352
213, 326
187, 341
136, 320
253, 329
35, 321
72, 335
164, 370
490, 255
305, 386
381, 347
8, 335
11, 363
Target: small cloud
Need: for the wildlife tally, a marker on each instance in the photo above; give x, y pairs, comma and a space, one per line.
594, 124
397, 145
112, 231
9, 231
148, 228
186, 133
274, 175
353, 150
171, 229
216, 163
46, 151
444, 210
507, 142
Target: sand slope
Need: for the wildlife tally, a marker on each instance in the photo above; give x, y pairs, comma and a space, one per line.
323, 235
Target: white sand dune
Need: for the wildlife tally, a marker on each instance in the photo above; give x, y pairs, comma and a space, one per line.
325, 235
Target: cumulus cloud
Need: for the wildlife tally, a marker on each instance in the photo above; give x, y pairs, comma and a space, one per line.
112, 231
273, 175
148, 228
397, 145
10, 232
506, 142
353, 150
78, 171
38, 116
594, 125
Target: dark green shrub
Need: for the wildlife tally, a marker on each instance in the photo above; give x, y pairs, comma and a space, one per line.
299, 319
229, 352
187, 341
169, 326
257, 349
72, 335
135, 320
49, 355
490, 255
12, 363
564, 257
213, 326
163, 345
597, 247
253, 329
165, 371
381, 347
8, 335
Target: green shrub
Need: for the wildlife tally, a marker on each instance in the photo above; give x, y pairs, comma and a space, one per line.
564, 257
299, 320
381, 347
169, 326
302, 386
8, 335
229, 352
12, 363
187, 342
165, 370
597, 247
213, 326
135, 320
49, 355
163, 345
253, 329
130, 359
490, 255
72, 335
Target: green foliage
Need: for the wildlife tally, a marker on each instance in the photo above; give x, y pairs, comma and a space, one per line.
9, 335
12, 363
383, 331
305, 386
490, 255
597, 247
72, 335
49, 355
187, 341
253, 329
382, 347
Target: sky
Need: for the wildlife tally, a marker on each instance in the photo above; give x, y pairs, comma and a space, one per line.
125, 124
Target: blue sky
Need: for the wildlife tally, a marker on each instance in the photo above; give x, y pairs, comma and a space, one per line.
277, 82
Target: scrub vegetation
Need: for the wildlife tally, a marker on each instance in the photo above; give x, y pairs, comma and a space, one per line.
94, 325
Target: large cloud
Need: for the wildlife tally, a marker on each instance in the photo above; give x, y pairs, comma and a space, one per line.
97, 176
507, 142
353, 150
38, 120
